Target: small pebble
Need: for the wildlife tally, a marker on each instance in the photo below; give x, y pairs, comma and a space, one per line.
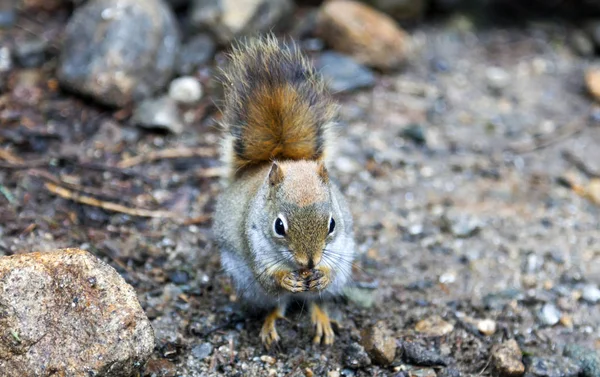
158, 113
268, 359
549, 315
379, 343
581, 43
497, 78
31, 53
308, 372
5, 59
333, 373
421, 372
418, 355
507, 359
356, 356
195, 53
553, 366
486, 326
592, 81
591, 294
186, 90
415, 133
202, 351
434, 326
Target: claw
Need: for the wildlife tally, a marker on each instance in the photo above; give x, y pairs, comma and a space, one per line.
319, 281
268, 333
293, 282
323, 330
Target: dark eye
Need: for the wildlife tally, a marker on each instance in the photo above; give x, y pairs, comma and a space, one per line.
279, 227
331, 225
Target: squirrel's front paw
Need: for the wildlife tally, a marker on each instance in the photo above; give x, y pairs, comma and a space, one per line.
318, 281
292, 281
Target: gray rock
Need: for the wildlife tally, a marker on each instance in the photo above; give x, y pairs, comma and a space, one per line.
69, 312
118, 51
342, 73
202, 351
554, 366
379, 343
507, 359
591, 294
356, 356
158, 113
418, 355
416, 133
5, 59
460, 225
228, 19
185, 90
194, 53
588, 360
31, 53
497, 79
549, 315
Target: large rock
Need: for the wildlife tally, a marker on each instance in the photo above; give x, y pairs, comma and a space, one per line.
369, 36
66, 313
118, 51
228, 19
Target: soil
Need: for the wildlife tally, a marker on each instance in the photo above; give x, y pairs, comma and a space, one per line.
458, 192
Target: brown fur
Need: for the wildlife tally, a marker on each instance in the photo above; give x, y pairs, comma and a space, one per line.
276, 106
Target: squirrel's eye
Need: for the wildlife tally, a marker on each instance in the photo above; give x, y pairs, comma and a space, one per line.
279, 227
331, 225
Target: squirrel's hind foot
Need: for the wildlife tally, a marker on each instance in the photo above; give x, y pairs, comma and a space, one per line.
324, 332
268, 333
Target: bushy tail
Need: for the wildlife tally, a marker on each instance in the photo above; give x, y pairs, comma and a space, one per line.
276, 106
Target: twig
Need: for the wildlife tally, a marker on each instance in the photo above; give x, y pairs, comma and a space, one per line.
579, 164
165, 154
108, 206
6, 155
197, 220
574, 127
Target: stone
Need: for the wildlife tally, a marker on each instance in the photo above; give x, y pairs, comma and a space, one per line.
487, 326
588, 360
460, 225
507, 359
158, 114
229, 19
553, 366
379, 343
549, 315
434, 326
119, 51
591, 293
69, 298
160, 368
356, 356
186, 90
421, 372
31, 53
497, 79
592, 81
342, 73
5, 59
202, 351
416, 354
402, 10
194, 53
367, 35
416, 133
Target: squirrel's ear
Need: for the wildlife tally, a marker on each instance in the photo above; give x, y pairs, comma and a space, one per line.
322, 171
275, 175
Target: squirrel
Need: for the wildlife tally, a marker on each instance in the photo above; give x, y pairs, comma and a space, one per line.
283, 227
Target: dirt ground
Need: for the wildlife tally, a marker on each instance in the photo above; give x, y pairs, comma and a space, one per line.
455, 189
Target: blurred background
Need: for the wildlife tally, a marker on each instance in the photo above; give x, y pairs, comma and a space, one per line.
469, 150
